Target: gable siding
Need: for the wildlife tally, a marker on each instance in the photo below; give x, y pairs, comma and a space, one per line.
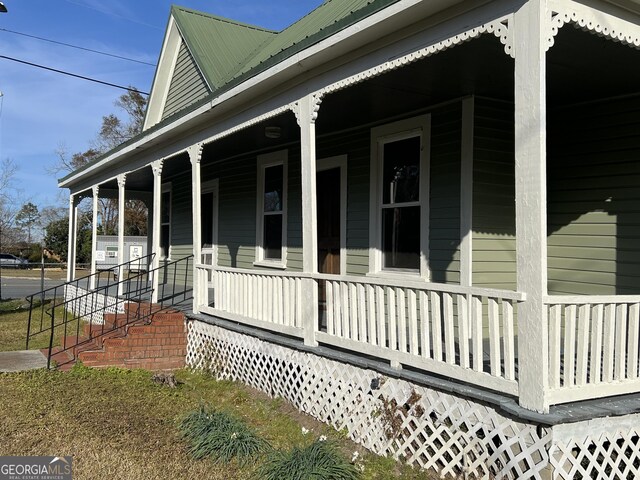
187, 84
594, 199
494, 241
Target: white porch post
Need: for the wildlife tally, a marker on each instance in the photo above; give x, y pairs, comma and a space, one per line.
73, 233
531, 202
121, 200
94, 234
306, 114
156, 167
195, 155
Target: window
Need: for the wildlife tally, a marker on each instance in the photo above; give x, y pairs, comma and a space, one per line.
399, 196
271, 225
165, 221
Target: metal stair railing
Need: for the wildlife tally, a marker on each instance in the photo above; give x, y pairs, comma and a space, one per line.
61, 310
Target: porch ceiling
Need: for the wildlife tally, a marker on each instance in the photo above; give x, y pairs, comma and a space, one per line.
580, 67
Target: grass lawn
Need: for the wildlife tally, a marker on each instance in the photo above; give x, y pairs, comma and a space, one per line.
34, 272
13, 327
120, 424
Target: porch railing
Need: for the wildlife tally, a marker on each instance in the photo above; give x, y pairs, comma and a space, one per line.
462, 332
62, 311
594, 344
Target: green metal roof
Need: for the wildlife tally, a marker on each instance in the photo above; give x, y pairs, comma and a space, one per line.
217, 65
330, 13
219, 46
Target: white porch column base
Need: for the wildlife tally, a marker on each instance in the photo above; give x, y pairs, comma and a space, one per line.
94, 233
121, 201
156, 167
531, 202
195, 155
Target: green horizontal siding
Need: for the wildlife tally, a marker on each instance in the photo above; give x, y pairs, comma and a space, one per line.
444, 201
494, 242
594, 199
187, 84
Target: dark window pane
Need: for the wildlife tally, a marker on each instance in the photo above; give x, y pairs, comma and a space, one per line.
272, 237
165, 207
401, 171
273, 188
206, 210
164, 241
401, 237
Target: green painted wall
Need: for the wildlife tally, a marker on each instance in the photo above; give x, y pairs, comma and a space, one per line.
444, 202
494, 244
236, 209
187, 84
594, 198
354, 144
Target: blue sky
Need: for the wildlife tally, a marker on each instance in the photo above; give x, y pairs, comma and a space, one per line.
42, 110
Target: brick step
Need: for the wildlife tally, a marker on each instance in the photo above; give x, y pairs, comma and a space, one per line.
63, 360
158, 345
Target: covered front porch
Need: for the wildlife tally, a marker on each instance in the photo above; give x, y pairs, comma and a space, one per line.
477, 216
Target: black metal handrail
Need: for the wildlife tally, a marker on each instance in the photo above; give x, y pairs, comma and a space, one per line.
66, 311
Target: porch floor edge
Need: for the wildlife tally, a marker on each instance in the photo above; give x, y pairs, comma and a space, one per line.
558, 414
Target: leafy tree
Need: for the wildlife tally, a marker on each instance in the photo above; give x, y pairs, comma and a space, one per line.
28, 217
113, 132
56, 238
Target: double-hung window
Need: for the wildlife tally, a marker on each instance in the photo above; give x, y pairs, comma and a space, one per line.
271, 224
400, 196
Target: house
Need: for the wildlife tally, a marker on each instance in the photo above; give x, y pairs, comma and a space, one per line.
135, 248
416, 220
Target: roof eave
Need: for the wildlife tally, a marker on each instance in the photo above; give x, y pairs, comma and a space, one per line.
287, 68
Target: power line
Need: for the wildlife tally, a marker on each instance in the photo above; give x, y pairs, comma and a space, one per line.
78, 47
82, 77
113, 14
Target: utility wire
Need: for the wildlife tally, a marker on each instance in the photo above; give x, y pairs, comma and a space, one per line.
76, 46
130, 89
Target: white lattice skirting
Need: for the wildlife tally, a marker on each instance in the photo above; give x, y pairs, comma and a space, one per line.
419, 425
91, 306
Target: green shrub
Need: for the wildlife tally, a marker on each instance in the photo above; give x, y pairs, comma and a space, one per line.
220, 436
319, 461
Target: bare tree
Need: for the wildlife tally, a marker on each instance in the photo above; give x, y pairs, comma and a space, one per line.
113, 132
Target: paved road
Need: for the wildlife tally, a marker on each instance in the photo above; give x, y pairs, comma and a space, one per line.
21, 287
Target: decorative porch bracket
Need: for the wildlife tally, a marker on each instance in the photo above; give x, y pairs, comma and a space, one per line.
306, 111
195, 156
591, 20
530, 23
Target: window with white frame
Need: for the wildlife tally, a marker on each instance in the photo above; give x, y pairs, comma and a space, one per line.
271, 224
165, 221
400, 196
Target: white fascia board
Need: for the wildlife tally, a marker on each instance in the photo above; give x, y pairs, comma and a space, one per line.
164, 73
339, 43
